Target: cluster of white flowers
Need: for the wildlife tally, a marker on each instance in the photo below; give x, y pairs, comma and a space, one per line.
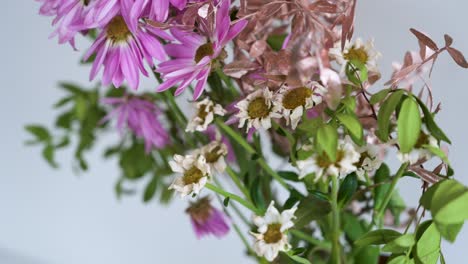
259, 107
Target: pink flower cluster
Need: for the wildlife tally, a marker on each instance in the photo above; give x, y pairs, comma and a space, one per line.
134, 34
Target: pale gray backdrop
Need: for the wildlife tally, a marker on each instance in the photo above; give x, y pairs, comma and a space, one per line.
55, 217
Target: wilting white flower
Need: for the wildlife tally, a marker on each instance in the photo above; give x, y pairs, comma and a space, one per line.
321, 165
295, 101
195, 174
257, 109
214, 154
369, 161
359, 51
418, 153
206, 110
271, 237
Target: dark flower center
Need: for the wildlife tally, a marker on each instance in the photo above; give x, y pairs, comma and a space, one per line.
214, 155
296, 97
117, 29
86, 2
193, 175
203, 111
323, 161
200, 210
258, 108
357, 54
273, 234
204, 50
363, 157
422, 140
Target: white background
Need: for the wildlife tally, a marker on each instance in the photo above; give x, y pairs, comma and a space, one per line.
55, 216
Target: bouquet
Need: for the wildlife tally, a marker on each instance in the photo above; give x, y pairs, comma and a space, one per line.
267, 118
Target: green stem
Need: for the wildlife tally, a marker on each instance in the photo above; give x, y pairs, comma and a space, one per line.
379, 212
235, 178
233, 206
234, 197
273, 173
227, 81
335, 236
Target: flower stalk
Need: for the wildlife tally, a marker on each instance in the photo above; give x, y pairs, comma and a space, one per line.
335, 223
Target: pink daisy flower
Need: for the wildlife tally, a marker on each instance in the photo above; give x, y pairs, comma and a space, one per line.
74, 16
141, 117
122, 52
207, 220
195, 54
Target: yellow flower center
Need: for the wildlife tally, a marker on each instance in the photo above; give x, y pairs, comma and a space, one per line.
422, 140
258, 108
357, 54
273, 234
296, 97
204, 50
117, 30
323, 161
193, 175
202, 111
214, 155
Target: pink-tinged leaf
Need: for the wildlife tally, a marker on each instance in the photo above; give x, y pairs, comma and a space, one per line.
448, 40
425, 175
401, 74
458, 57
422, 50
323, 7
425, 39
408, 59
237, 69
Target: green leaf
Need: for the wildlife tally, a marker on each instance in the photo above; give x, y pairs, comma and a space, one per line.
352, 124
379, 96
81, 107
310, 126
356, 72
256, 194
276, 41
295, 258
48, 153
400, 244
381, 175
431, 124
72, 88
428, 245
311, 208
438, 152
377, 237
327, 140
409, 125
226, 201
368, 254
289, 175
397, 206
454, 211
39, 132
347, 189
400, 260
449, 232
135, 162
385, 113
150, 189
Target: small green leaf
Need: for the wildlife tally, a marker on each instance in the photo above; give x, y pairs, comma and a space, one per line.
385, 113
289, 175
347, 189
226, 201
352, 124
409, 125
400, 244
311, 208
256, 194
327, 139
150, 189
379, 96
377, 237
48, 153
381, 175
449, 232
400, 260
276, 41
39, 132
438, 152
431, 124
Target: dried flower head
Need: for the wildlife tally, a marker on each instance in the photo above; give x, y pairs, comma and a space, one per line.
206, 219
206, 110
257, 109
195, 174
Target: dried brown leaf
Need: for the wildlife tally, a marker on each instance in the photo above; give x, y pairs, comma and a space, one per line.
448, 40
237, 69
425, 39
425, 175
458, 57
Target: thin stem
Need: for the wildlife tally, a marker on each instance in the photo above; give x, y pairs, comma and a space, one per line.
310, 239
234, 197
335, 236
379, 212
227, 81
273, 173
233, 206
235, 178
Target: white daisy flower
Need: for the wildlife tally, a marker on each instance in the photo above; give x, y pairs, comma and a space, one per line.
257, 110
360, 51
214, 154
418, 153
321, 165
206, 110
195, 174
271, 237
368, 162
295, 101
